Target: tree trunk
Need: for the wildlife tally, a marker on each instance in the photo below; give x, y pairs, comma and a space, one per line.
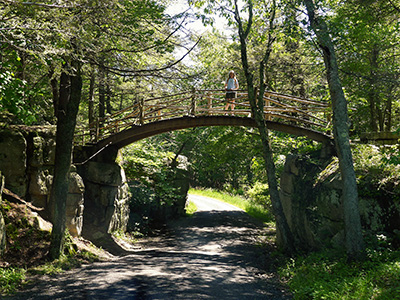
91, 115
354, 239
108, 98
258, 114
102, 94
70, 96
54, 90
388, 109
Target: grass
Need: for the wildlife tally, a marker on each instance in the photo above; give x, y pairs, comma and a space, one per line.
11, 279
190, 209
254, 210
327, 275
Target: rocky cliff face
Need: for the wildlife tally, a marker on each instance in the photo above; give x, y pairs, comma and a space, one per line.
311, 195
106, 197
27, 163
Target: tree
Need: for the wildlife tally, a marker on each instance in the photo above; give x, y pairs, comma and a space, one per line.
257, 107
64, 36
262, 10
367, 41
354, 239
68, 106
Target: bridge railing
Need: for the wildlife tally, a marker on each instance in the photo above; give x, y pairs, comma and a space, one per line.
277, 107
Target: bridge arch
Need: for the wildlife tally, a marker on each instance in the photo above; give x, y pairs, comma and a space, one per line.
138, 132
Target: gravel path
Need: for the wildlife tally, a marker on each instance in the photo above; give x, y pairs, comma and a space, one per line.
212, 255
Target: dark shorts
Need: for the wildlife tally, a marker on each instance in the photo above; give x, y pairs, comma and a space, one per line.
230, 95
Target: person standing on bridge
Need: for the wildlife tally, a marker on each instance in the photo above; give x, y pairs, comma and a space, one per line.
231, 85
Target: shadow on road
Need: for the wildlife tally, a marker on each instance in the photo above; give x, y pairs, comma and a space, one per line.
212, 255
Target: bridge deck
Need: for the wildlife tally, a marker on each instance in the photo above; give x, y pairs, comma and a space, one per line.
278, 108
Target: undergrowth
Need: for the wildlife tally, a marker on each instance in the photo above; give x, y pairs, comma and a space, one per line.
328, 275
27, 249
11, 279
190, 209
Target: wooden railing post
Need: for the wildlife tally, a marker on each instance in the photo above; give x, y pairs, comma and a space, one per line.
192, 110
209, 102
267, 105
255, 99
141, 111
97, 133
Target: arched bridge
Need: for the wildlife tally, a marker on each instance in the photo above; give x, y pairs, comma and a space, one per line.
197, 108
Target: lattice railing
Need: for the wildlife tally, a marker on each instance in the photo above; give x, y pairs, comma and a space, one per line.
278, 107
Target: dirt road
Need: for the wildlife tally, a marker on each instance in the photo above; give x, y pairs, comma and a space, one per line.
212, 255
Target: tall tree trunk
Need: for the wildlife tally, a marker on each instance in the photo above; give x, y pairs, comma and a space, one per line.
54, 90
354, 239
372, 96
257, 108
108, 98
388, 108
70, 96
102, 93
91, 116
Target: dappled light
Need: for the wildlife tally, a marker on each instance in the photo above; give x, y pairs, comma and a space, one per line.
212, 255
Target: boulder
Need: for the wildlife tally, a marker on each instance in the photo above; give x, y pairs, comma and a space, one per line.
103, 173
75, 204
311, 195
106, 196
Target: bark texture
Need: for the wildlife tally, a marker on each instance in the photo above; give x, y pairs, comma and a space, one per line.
257, 108
70, 96
354, 239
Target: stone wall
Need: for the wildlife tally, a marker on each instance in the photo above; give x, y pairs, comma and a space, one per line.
311, 195
27, 163
106, 198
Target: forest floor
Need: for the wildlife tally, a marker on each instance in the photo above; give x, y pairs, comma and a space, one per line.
218, 253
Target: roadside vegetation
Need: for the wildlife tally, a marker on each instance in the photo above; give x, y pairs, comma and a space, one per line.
190, 209
327, 274
28, 246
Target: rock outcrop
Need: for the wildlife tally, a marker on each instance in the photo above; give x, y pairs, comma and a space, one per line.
27, 162
311, 194
106, 197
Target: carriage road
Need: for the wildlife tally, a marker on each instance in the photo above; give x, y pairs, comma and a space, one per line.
215, 254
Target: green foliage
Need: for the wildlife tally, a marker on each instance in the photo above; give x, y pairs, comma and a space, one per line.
327, 275
259, 195
376, 174
13, 95
11, 279
190, 208
64, 263
367, 38
151, 180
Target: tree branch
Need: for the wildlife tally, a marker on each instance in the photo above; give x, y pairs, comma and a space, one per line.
119, 71
36, 4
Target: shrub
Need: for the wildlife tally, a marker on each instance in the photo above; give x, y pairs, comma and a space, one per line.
327, 275
259, 195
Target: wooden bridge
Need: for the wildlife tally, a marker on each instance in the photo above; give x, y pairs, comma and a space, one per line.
196, 108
